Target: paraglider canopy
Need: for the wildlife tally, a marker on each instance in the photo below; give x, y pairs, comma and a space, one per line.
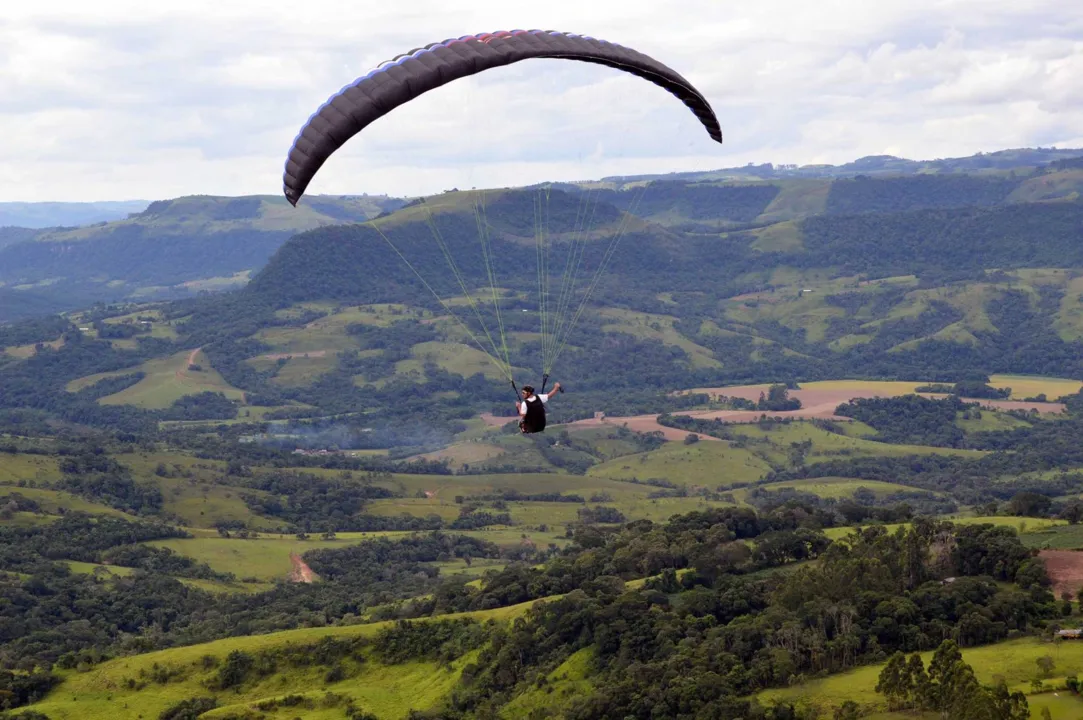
407, 76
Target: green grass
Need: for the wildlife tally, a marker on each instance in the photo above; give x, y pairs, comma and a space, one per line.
165, 381
53, 501
17, 467
415, 507
798, 199
1061, 537
835, 488
198, 499
267, 557
263, 558
773, 444
446, 487
1014, 661
790, 307
220, 587
299, 370
456, 358
657, 327
27, 519
989, 422
206, 506
466, 453
85, 568
1062, 705
1068, 321
477, 567
708, 464
780, 237
570, 679
388, 691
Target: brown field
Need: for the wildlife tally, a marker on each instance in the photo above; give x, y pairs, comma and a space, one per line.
639, 423
1065, 568
818, 400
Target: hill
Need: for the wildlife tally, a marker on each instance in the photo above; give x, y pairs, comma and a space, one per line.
167, 246
65, 214
174, 248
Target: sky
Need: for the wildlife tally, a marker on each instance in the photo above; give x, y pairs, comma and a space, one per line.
120, 99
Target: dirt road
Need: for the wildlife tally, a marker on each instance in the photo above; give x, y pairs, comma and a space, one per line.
301, 572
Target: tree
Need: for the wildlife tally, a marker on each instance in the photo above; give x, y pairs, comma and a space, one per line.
1046, 666
895, 682
1029, 504
847, 711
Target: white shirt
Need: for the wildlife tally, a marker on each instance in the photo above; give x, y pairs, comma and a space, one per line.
544, 397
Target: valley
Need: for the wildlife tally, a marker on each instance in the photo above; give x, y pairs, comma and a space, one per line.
811, 421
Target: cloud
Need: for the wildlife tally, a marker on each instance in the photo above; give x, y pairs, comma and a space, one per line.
119, 99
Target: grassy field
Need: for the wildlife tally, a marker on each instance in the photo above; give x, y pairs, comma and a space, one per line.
1024, 386
660, 328
263, 558
388, 691
569, 679
456, 358
1014, 661
22, 352
299, 370
267, 557
798, 198
989, 421
446, 487
465, 453
17, 467
55, 501
773, 444
1069, 319
166, 381
836, 488
1059, 537
708, 464
192, 490
85, 568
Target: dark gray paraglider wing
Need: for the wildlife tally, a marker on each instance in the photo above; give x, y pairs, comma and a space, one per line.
408, 76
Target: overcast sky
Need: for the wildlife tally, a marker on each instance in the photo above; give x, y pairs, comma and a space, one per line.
119, 99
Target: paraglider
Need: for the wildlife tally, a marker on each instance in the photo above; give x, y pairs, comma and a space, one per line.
532, 409
412, 74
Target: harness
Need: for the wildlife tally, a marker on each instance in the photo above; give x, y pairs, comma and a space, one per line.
534, 419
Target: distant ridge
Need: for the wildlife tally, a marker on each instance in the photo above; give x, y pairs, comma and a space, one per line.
66, 214
873, 165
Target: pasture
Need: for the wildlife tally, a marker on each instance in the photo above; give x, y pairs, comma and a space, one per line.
1013, 660
710, 464
657, 327
1024, 386
267, 557
165, 381
833, 487
263, 558
55, 502
18, 467
772, 443
103, 692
